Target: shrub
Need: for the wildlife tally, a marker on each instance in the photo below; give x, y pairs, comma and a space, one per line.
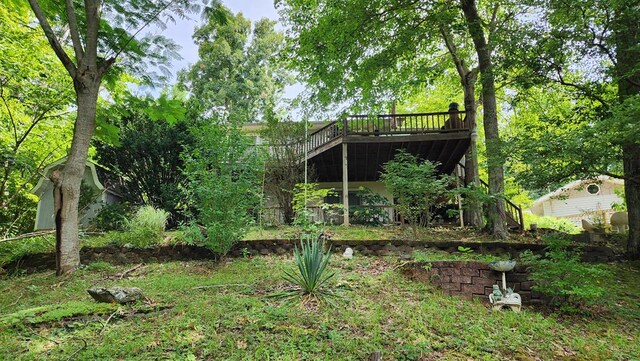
417, 186
225, 174
369, 212
310, 276
559, 224
112, 217
146, 229
308, 195
190, 234
564, 278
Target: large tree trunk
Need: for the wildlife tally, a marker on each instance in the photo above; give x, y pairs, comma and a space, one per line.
473, 215
67, 186
627, 40
631, 161
496, 213
468, 78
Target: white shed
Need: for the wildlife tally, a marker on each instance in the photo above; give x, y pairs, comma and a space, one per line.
589, 199
104, 194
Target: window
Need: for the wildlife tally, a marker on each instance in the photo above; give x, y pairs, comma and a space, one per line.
354, 199
593, 189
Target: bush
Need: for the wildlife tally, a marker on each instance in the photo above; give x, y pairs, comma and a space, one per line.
112, 217
560, 275
559, 224
417, 186
190, 234
146, 229
370, 212
225, 182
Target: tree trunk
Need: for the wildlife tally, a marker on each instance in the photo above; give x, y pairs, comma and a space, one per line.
496, 212
627, 38
473, 215
70, 179
631, 161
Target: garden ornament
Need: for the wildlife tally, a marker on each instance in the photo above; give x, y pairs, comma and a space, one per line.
509, 299
496, 295
348, 253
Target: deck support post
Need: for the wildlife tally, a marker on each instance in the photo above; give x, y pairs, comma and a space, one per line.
459, 177
345, 185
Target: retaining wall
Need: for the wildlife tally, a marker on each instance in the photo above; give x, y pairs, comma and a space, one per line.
124, 255
472, 280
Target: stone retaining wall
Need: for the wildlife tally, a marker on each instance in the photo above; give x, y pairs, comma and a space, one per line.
123, 255
472, 280
386, 247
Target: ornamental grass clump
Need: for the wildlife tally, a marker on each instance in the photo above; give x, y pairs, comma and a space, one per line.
310, 277
147, 227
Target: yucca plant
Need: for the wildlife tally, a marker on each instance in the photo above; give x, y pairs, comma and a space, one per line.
310, 277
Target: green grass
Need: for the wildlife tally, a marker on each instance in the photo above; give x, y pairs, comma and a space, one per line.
354, 233
46, 317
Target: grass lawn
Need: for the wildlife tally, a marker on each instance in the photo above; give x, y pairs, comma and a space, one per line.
46, 317
355, 232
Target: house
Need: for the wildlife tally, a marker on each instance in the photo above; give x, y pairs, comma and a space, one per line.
349, 153
589, 199
95, 181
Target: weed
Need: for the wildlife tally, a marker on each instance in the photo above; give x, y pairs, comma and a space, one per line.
564, 278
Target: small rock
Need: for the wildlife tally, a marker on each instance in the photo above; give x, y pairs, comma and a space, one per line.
119, 295
348, 253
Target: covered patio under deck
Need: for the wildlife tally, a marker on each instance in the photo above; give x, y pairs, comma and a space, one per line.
356, 148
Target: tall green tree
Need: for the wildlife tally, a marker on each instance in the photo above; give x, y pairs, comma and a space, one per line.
283, 166
368, 52
35, 127
591, 49
224, 170
238, 68
94, 40
153, 134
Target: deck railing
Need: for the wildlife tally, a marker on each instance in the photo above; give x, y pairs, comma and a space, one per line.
405, 123
275, 215
388, 124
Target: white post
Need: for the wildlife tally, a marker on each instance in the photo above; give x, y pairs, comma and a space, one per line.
345, 185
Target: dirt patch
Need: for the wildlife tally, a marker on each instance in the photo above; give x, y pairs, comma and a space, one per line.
375, 268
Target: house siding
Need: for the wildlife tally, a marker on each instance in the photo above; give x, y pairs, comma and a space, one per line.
577, 203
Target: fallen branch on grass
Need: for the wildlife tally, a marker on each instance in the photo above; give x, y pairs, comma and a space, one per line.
123, 274
28, 235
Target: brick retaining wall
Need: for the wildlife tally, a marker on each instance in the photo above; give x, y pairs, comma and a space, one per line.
471, 280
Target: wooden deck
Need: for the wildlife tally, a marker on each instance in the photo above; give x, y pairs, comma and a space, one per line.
374, 140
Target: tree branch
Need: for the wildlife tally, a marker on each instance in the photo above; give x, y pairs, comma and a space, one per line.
494, 20
581, 88
73, 29
465, 74
53, 39
113, 58
92, 10
6, 105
